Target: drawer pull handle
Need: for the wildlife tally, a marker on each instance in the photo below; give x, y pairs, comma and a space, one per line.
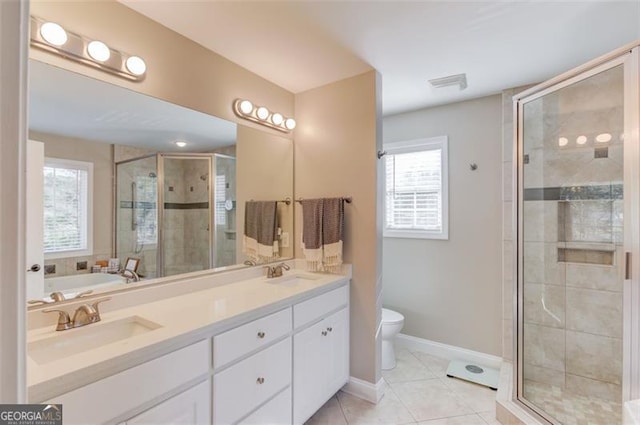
329, 328
260, 381
324, 333
261, 334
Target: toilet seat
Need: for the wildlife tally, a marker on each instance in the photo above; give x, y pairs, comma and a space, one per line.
391, 317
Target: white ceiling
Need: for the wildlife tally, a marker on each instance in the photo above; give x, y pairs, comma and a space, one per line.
73, 105
300, 44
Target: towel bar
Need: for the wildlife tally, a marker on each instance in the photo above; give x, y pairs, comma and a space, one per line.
347, 199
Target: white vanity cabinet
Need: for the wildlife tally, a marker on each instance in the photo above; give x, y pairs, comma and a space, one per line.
191, 407
320, 351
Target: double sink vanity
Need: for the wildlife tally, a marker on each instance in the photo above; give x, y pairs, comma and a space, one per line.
235, 347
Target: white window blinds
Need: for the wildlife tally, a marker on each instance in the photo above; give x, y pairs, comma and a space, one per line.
415, 189
67, 206
146, 210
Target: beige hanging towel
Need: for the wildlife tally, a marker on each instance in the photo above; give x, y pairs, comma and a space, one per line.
260, 240
322, 233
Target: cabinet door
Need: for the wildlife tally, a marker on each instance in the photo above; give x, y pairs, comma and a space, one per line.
337, 360
310, 350
191, 407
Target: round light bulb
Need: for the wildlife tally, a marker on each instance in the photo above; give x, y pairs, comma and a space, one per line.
181, 144
99, 51
246, 107
136, 65
603, 138
563, 141
53, 33
290, 123
581, 140
262, 113
277, 118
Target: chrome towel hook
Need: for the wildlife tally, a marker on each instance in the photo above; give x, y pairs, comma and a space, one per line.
381, 154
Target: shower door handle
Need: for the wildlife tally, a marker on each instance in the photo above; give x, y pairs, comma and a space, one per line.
134, 223
627, 265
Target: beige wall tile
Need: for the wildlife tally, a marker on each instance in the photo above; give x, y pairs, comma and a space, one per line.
593, 356
544, 304
544, 375
540, 221
587, 276
541, 263
597, 312
592, 388
544, 346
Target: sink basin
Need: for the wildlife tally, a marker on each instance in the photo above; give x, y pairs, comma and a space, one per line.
74, 341
294, 279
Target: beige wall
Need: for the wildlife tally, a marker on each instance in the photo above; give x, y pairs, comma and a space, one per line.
179, 70
450, 290
335, 155
264, 172
100, 154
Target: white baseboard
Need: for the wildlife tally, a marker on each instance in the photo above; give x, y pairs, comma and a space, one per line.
365, 390
448, 351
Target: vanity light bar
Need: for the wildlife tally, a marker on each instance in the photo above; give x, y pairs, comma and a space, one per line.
53, 38
262, 115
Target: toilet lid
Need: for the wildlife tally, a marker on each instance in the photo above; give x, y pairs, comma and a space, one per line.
390, 316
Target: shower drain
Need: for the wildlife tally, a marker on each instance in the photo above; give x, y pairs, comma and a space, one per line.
474, 369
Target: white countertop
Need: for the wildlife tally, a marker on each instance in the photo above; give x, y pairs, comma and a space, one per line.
184, 319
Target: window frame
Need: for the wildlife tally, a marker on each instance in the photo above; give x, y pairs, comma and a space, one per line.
419, 145
77, 165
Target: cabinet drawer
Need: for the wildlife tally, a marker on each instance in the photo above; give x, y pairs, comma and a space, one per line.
244, 386
133, 387
317, 307
232, 344
275, 412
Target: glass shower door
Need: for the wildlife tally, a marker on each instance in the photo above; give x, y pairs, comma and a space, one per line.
570, 286
186, 214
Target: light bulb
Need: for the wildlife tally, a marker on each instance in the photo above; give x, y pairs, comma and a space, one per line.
277, 118
53, 33
581, 140
246, 107
181, 144
99, 51
563, 141
136, 65
603, 138
262, 113
290, 123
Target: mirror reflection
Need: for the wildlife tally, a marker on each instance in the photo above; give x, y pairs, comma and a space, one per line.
135, 188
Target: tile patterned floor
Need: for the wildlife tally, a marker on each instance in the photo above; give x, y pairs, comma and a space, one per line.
573, 409
417, 392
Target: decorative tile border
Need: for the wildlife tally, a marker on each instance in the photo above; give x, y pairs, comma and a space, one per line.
167, 205
575, 193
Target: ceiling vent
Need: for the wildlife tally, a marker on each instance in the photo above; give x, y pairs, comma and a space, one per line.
451, 80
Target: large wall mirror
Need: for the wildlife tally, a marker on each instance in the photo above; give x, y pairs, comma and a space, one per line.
135, 188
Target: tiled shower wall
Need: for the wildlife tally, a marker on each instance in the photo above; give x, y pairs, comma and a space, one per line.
572, 243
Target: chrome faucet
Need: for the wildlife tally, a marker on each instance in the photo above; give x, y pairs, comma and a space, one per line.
276, 271
130, 275
250, 263
84, 315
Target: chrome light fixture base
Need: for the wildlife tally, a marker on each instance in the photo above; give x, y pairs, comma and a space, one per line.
262, 115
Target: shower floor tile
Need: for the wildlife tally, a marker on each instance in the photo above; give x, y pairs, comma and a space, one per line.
570, 408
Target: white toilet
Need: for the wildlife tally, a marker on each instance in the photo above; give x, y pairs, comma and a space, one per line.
392, 323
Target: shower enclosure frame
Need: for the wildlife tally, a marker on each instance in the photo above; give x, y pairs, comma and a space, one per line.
629, 57
160, 263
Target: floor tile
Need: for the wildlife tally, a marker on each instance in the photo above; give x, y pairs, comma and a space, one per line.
430, 399
477, 397
408, 368
438, 366
389, 411
490, 417
456, 420
329, 414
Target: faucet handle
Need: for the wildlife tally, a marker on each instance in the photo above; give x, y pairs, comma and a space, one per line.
39, 302
284, 266
270, 271
95, 306
64, 321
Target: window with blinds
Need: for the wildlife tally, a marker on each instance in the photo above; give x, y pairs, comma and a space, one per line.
146, 210
416, 189
67, 208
